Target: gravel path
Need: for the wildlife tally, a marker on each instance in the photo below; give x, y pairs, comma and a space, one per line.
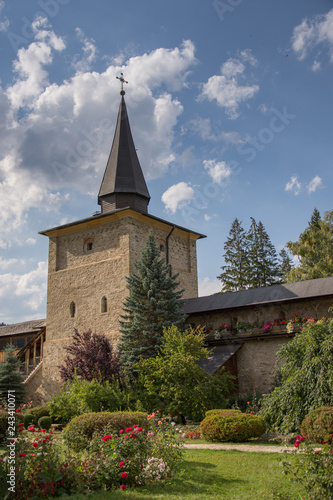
239, 447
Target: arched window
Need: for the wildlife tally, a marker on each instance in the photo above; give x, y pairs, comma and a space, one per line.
104, 305
72, 309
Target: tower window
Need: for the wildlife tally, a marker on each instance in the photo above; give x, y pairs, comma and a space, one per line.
104, 305
72, 309
162, 248
89, 246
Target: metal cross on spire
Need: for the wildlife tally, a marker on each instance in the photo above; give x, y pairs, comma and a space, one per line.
122, 80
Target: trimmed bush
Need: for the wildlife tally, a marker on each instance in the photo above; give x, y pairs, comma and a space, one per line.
28, 420
45, 423
318, 424
38, 412
235, 427
4, 424
79, 432
225, 413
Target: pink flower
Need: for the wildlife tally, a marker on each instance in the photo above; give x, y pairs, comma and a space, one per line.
134, 426
123, 486
121, 464
124, 475
296, 444
129, 429
139, 429
121, 431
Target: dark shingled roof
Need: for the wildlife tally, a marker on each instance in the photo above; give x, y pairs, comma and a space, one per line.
218, 356
123, 172
265, 295
20, 328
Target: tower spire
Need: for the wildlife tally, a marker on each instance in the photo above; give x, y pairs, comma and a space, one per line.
123, 184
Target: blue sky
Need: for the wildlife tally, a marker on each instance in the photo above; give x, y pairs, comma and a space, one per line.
230, 104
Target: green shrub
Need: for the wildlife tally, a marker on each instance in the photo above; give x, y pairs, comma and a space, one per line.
79, 432
45, 423
28, 420
82, 396
38, 412
4, 423
225, 413
236, 427
318, 424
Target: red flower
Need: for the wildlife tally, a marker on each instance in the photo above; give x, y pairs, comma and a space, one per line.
44, 430
35, 445
296, 444
123, 486
124, 475
139, 429
20, 430
106, 438
134, 426
129, 429
121, 464
20, 425
21, 454
324, 442
121, 431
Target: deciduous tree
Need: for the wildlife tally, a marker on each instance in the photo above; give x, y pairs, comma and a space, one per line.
90, 356
314, 249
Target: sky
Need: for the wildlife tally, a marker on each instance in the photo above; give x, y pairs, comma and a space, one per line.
230, 105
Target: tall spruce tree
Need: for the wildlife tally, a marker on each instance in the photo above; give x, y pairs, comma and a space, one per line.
263, 263
285, 265
11, 379
153, 303
234, 273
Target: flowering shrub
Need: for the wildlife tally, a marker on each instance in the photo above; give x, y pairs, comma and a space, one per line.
122, 459
79, 432
313, 467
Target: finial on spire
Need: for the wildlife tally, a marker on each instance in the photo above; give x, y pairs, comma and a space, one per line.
122, 80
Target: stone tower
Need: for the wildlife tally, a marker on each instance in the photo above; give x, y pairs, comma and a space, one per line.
90, 258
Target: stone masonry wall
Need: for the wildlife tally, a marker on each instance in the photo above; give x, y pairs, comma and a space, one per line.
83, 275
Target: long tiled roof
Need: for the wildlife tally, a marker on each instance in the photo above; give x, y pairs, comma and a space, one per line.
20, 328
265, 295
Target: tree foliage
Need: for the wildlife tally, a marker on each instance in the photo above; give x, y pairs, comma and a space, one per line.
250, 259
90, 356
236, 259
174, 380
11, 379
314, 249
306, 377
153, 303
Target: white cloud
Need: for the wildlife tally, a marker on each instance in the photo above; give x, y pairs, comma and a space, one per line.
29, 290
314, 184
209, 217
4, 24
316, 66
208, 286
293, 185
312, 33
36, 163
31, 241
177, 196
218, 171
89, 50
227, 88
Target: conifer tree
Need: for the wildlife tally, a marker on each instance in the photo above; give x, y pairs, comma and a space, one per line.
285, 265
234, 273
153, 303
263, 264
11, 379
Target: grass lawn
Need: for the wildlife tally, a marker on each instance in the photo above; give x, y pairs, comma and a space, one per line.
216, 474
